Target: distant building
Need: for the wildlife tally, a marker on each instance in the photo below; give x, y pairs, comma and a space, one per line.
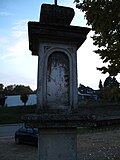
86, 94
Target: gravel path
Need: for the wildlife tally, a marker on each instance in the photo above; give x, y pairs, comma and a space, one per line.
10, 151
93, 146
99, 146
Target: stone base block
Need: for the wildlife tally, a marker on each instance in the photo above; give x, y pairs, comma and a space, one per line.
57, 144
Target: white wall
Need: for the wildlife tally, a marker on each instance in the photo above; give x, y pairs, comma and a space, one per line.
15, 100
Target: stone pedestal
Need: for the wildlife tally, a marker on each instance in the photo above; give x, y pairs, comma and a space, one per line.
57, 144
57, 133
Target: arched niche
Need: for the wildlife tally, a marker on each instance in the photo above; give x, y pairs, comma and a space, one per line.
58, 81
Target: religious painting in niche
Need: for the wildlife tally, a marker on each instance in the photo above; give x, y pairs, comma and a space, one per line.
58, 81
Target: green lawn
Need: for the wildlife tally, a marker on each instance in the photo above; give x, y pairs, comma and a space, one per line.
13, 114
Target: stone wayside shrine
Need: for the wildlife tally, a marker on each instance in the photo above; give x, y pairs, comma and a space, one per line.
56, 42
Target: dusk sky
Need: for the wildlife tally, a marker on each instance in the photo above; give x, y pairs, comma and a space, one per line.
17, 65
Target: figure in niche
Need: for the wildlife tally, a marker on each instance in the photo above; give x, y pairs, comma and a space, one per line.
58, 80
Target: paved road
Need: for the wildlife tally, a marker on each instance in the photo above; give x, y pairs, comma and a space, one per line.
9, 130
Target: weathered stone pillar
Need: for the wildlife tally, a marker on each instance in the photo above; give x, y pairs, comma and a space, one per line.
55, 42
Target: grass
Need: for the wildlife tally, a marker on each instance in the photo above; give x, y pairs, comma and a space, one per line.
10, 115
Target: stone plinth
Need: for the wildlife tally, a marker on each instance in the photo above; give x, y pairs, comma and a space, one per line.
57, 133
58, 144
57, 119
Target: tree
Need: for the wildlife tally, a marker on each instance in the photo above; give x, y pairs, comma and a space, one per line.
110, 91
21, 89
111, 82
17, 90
104, 17
2, 100
100, 84
9, 90
1, 88
24, 98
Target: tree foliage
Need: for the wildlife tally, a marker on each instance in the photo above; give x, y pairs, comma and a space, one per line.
111, 90
2, 100
2, 95
1, 88
24, 98
111, 82
22, 90
100, 84
17, 90
104, 17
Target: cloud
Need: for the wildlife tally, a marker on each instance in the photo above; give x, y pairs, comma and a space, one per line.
87, 61
17, 45
19, 29
16, 59
17, 50
3, 40
9, 78
4, 13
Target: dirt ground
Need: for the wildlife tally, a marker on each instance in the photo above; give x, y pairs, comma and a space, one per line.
99, 146
103, 145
